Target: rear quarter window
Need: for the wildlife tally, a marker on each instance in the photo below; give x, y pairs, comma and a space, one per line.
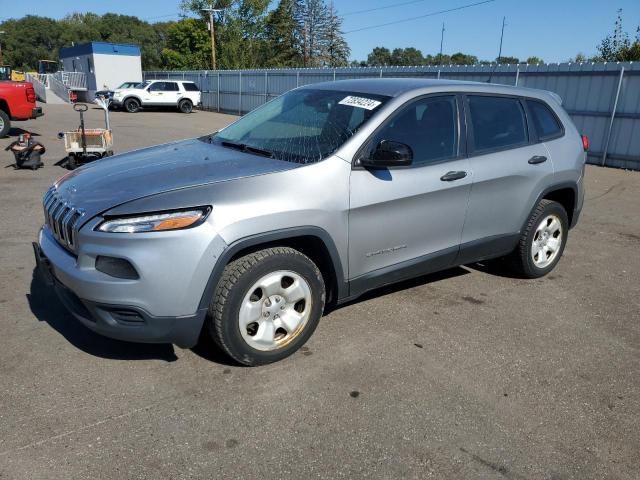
544, 120
498, 122
190, 87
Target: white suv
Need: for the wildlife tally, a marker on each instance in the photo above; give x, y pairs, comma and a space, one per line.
158, 93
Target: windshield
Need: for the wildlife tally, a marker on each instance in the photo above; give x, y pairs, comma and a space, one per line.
302, 126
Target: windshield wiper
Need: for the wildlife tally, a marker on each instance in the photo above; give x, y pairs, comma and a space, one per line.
247, 148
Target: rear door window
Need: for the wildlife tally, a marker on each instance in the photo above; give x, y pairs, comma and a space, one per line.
190, 87
498, 122
544, 120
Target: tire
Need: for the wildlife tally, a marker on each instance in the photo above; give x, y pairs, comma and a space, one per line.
5, 124
266, 305
542, 242
132, 105
185, 106
72, 164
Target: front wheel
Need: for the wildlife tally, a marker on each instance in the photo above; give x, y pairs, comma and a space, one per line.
542, 242
266, 305
132, 105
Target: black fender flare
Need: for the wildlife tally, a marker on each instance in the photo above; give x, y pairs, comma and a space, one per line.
271, 237
128, 97
557, 186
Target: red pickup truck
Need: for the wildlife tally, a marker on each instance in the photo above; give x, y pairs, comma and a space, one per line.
17, 102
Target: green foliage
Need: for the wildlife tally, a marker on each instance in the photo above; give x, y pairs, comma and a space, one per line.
618, 47
32, 38
336, 48
534, 60
188, 46
406, 56
460, 58
507, 60
281, 36
248, 35
379, 57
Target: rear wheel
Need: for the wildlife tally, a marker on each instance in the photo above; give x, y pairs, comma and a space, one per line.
542, 242
266, 305
5, 124
185, 106
132, 105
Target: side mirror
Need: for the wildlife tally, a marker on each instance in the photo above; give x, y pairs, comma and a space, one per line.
389, 153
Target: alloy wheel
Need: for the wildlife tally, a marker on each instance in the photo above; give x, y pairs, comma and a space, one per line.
547, 241
275, 310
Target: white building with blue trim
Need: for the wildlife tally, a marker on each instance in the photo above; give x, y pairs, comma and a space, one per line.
106, 65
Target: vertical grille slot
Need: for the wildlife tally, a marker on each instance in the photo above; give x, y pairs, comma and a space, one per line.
61, 218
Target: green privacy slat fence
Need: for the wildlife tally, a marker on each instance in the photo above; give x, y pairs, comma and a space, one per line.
602, 98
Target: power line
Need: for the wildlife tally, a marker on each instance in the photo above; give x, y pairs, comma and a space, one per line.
162, 16
382, 8
440, 12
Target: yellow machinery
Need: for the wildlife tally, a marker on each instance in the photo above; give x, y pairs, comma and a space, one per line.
44, 67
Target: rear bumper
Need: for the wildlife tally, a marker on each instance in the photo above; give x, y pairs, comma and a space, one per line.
26, 112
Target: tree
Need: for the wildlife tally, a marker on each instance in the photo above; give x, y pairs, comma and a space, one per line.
534, 60
579, 58
239, 30
507, 60
618, 47
29, 39
336, 47
406, 56
311, 16
188, 46
460, 58
282, 49
379, 57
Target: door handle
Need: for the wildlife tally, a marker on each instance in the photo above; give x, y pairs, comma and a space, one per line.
451, 176
537, 159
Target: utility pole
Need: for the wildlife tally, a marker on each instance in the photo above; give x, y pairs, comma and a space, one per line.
212, 30
1, 32
441, 40
501, 37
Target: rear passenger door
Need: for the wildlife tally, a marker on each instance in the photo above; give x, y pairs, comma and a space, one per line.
510, 169
408, 220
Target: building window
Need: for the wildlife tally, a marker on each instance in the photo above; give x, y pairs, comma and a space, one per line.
90, 65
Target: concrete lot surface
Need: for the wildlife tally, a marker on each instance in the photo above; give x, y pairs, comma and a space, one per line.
463, 374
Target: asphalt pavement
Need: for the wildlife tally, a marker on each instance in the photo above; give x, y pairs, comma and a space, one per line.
464, 374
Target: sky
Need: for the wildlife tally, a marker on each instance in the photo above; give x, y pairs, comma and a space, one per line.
554, 30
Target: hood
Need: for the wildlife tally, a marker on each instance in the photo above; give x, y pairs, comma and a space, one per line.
112, 181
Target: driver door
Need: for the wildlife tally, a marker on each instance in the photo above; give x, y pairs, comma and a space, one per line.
155, 94
405, 221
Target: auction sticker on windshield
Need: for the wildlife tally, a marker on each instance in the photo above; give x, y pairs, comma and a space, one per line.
360, 102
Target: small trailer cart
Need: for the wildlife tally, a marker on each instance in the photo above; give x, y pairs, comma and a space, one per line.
87, 144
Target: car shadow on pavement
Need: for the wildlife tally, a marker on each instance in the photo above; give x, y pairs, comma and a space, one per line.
46, 307
406, 284
497, 267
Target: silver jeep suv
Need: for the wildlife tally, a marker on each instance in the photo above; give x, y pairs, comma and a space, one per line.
248, 235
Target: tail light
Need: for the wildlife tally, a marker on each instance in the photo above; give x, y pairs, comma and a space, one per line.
585, 142
31, 94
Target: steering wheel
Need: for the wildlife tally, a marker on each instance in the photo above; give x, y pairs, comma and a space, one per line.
80, 107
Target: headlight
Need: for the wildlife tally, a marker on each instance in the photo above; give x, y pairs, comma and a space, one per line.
156, 222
